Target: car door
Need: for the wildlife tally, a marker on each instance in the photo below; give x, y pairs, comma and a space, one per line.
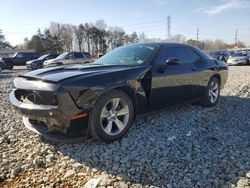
174, 85
79, 58
27, 57
20, 59
69, 59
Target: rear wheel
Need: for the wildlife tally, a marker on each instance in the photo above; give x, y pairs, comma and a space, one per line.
212, 93
111, 116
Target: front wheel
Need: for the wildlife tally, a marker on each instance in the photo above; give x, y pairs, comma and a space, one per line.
39, 66
111, 116
212, 93
9, 65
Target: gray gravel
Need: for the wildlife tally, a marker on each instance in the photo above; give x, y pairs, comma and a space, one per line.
187, 146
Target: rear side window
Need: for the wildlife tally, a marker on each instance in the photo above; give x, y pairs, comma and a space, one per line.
27, 55
184, 54
78, 55
87, 55
54, 55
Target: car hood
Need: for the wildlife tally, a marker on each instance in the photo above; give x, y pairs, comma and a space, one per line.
51, 61
57, 74
33, 61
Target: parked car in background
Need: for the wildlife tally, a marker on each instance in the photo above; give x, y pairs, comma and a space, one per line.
87, 54
239, 58
67, 58
4, 66
103, 98
20, 58
220, 55
38, 63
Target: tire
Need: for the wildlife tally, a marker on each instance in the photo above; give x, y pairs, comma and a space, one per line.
9, 65
212, 93
105, 123
39, 66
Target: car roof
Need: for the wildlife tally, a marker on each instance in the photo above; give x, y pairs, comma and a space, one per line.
165, 43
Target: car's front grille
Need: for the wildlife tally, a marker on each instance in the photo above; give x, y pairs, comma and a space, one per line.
36, 97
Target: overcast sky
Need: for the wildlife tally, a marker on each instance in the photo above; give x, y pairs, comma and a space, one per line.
216, 19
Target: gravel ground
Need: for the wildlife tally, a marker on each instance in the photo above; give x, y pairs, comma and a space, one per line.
187, 146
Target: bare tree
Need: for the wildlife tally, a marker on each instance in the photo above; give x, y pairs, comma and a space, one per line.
67, 36
80, 35
142, 37
102, 26
134, 37
178, 38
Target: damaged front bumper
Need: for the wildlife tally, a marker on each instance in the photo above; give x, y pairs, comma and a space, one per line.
48, 110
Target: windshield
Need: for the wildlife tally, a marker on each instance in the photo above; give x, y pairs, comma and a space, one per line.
15, 54
42, 57
242, 53
129, 55
219, 53
62, 56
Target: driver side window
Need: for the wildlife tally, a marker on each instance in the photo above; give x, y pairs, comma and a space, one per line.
71, 56
184, 54
19, 56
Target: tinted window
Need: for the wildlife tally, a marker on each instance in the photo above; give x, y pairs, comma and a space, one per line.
184, 54
32, 55
87, 55
54, 55
35, 55
26, 55
19, 55
70, 56
218, 53
78, 55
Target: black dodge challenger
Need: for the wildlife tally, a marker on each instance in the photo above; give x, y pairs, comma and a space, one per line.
101, 99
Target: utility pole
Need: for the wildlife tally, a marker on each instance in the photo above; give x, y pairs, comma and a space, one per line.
235, 38
168, 27
197, 36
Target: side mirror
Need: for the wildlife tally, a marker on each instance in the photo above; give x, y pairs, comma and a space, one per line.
170, 61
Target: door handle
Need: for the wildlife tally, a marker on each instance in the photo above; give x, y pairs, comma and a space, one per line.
194, 69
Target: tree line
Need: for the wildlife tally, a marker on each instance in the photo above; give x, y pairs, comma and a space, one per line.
3, 43
98, 38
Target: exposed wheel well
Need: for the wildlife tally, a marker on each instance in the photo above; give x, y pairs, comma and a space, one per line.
130, 92
218, 77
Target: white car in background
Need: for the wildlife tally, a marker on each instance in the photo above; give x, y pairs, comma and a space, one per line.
68, 58
239, 58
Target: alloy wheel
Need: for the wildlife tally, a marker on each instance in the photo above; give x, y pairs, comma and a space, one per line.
114, 116
213, 91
